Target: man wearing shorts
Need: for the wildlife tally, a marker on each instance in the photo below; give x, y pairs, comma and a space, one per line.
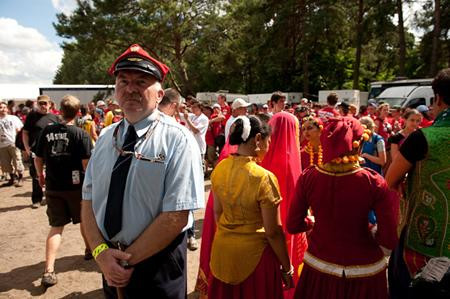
64, 149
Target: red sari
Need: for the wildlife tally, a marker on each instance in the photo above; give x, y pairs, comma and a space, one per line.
209, 228
283, 160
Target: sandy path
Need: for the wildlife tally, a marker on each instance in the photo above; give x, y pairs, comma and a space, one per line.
22, 252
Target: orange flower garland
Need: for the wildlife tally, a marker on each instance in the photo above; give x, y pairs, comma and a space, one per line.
310, 150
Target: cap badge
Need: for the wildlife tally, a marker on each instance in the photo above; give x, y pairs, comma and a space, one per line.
134, 49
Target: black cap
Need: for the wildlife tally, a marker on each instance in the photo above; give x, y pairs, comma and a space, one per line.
139, 64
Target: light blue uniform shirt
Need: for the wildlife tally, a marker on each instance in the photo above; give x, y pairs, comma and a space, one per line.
176, 184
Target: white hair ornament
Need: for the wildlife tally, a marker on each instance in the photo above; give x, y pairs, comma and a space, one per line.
246, 127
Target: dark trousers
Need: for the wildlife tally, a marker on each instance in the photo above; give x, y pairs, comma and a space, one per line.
398, 274
36, 194
162, 276
191, 230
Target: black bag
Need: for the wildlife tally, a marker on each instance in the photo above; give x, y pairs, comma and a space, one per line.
430, 288
219, 141
19, 141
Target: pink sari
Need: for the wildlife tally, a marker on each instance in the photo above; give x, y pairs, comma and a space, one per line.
209, 229
283, 160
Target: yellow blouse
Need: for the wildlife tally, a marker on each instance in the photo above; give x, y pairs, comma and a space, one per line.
243, 188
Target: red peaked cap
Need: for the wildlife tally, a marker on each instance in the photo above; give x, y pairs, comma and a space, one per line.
136, 58
338, 135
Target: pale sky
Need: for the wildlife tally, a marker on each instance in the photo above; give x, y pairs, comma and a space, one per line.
29, 47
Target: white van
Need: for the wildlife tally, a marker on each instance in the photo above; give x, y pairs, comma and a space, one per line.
407, 96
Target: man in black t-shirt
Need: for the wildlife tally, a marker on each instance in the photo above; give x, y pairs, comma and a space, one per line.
34, 123
65, 150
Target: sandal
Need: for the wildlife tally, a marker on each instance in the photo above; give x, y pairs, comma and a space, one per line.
49, 279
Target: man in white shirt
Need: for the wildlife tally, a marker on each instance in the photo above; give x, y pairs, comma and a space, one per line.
277, 100
197, 123
239, 107
10, 156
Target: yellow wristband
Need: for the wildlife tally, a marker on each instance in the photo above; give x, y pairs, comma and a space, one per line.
99, 249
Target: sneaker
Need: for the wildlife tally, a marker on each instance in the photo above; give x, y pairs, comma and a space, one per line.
43, 202
49, 279
87, 255
35, 205
10, 182
192, 244
19, 182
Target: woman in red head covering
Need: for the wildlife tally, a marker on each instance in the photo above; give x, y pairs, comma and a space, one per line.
283, 160
311, 154
344, 259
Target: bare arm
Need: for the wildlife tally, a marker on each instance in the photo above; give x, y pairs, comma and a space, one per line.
84, 162
190, 124
379, 159
394, 151
397, 170
275, 236
108, 260
39, 164
93, 234
216, 119
26, 141
94, 131
158, 235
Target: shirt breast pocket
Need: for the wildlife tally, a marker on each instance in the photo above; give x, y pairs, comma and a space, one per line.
148, 177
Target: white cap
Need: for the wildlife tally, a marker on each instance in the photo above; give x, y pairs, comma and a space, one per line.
238, 103
265, 106
101, 103
304, 100
216, 106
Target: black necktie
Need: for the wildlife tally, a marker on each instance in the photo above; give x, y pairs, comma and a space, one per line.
113, 213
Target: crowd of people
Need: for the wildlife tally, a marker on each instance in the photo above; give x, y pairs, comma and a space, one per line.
306, 201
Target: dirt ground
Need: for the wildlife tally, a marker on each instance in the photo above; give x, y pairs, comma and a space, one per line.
22, 253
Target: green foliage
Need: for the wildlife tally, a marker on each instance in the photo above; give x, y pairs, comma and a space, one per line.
248, 46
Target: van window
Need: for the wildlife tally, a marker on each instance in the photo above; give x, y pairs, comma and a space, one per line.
413, 103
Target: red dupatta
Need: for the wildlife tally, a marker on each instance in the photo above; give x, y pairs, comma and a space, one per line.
283, 160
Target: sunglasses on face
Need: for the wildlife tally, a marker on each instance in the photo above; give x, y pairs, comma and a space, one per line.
42, 103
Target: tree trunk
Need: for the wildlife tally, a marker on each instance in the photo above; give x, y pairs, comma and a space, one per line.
436, 35
303, 38
305, 68
186, 86
358, 44
401, 40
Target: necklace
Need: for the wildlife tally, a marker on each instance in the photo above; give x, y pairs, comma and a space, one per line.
310, 150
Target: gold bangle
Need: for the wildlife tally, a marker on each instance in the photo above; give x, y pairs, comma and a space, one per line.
99, 249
